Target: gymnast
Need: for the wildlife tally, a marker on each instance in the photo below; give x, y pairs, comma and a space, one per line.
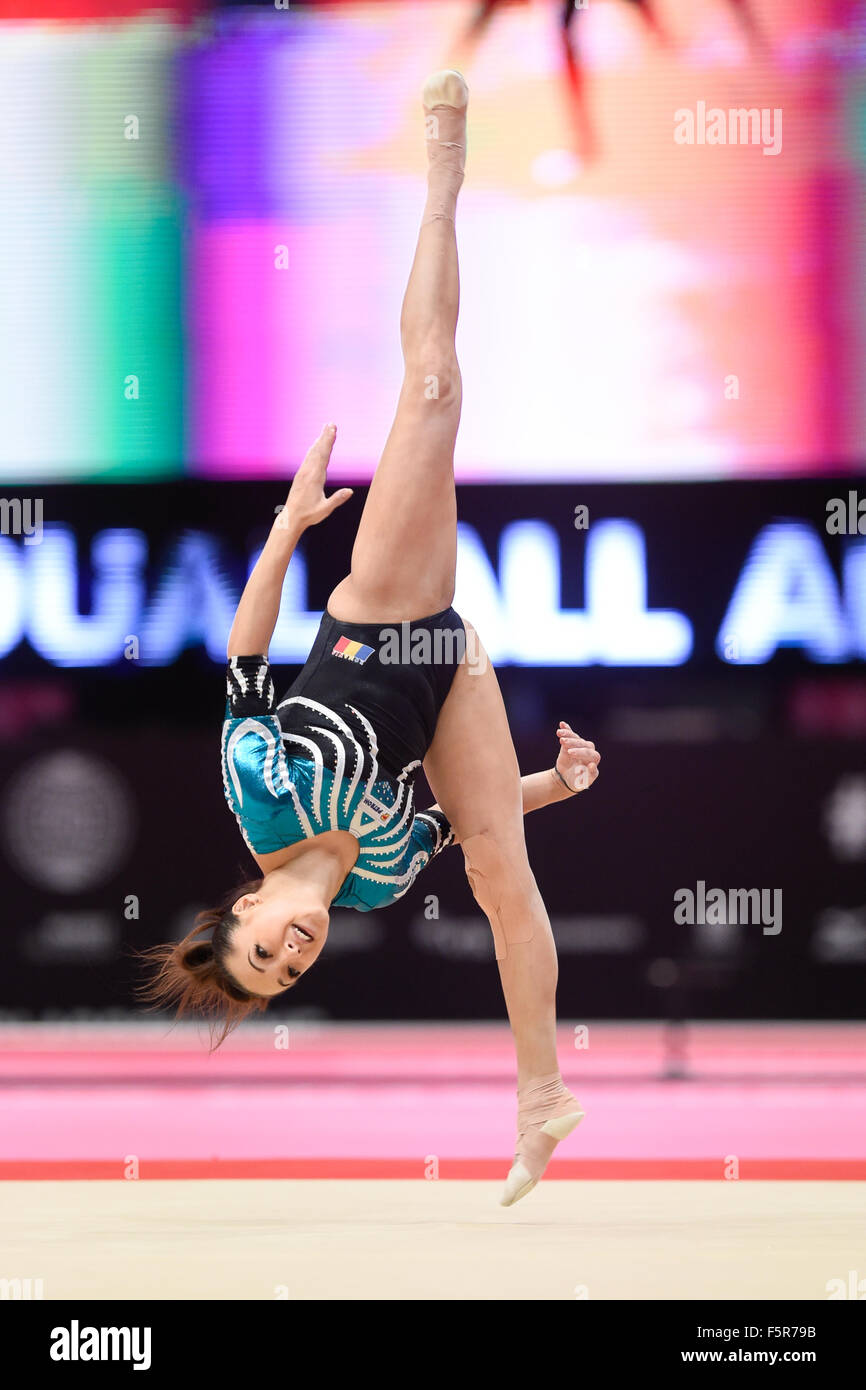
321, 783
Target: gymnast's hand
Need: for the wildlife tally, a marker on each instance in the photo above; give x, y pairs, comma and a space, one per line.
306, 504
578, 760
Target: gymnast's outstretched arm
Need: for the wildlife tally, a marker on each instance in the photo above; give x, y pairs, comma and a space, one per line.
574, 771
306, 505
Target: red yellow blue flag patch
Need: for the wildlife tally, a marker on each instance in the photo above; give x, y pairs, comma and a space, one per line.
351, 651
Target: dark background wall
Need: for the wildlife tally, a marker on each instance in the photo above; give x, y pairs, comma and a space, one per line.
114, 832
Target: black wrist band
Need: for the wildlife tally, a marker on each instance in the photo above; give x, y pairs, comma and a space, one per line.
573, 790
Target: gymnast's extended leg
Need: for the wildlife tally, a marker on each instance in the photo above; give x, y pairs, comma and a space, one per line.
472, 769
412, 497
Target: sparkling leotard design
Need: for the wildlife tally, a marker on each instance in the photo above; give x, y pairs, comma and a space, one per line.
304, 768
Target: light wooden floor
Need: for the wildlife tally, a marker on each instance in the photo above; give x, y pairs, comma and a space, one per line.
432, 1240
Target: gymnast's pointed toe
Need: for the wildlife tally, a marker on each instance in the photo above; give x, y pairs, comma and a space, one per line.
517, 1184
445, 88
547, 1114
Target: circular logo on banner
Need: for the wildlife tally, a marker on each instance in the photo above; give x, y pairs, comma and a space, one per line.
67, 821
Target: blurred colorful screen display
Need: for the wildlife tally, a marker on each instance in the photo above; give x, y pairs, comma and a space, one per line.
207, 224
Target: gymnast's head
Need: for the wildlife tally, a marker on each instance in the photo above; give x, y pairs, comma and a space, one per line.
260, 944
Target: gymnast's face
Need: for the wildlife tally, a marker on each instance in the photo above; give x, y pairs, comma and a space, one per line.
277, 940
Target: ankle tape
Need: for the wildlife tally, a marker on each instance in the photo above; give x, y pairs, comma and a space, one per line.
442, 153
542, 1098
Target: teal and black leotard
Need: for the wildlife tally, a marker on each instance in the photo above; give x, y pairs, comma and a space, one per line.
341, 750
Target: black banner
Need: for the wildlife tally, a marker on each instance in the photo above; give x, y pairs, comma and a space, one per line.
715, 869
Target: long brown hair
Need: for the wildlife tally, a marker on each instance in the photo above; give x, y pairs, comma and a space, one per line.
191, 975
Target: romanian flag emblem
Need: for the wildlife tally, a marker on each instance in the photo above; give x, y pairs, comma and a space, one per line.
352, 651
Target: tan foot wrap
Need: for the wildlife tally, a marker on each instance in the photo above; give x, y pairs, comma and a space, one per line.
445, 96
447, 87
546, 1113
488, 872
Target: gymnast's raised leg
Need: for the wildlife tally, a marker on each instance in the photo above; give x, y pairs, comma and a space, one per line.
471, 764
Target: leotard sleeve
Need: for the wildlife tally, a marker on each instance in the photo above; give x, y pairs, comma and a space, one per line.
253, 760
431, 832
249, 686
